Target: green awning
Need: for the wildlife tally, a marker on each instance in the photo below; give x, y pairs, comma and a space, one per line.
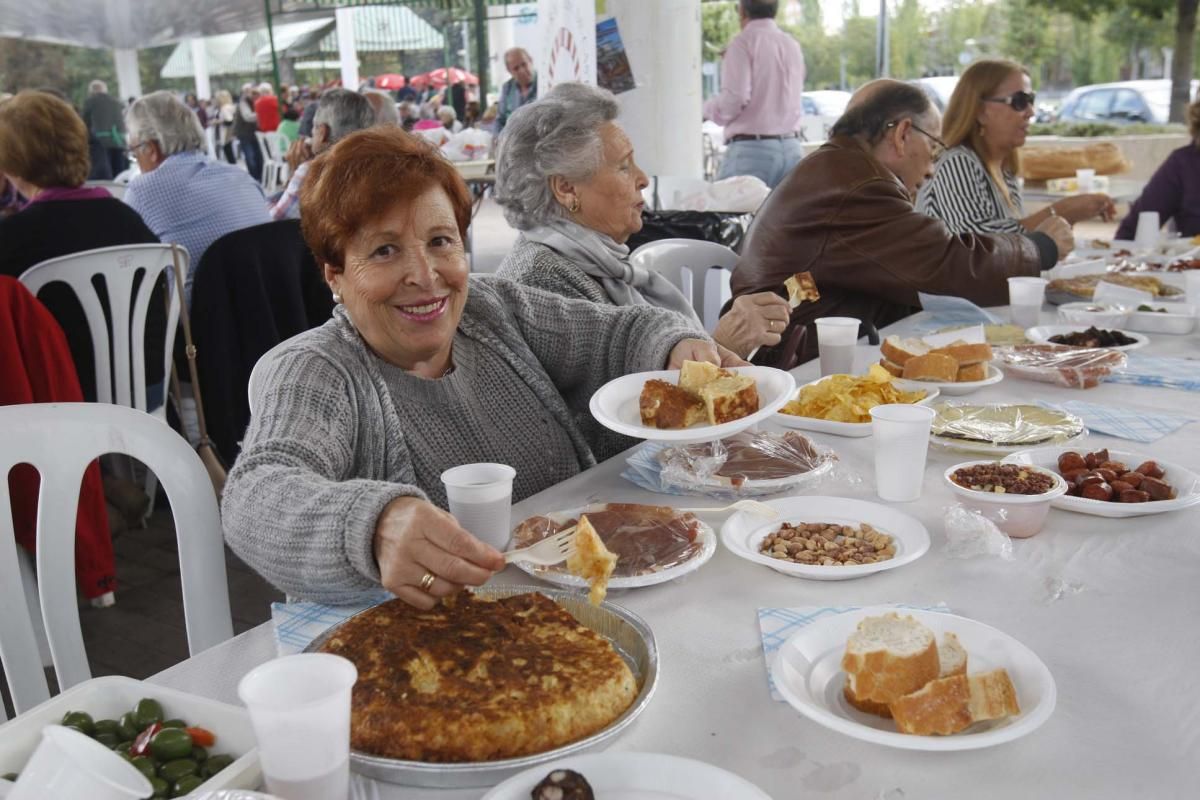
228, 54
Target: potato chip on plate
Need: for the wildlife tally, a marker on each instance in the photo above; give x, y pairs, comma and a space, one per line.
841, 404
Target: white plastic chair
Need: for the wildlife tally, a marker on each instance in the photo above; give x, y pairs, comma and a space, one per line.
120, 376
689, 264
59, 440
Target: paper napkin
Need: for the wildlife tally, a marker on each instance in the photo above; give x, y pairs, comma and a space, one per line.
1136, 424
1169, 373
298, 623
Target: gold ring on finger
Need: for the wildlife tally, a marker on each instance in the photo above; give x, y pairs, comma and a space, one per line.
427, 581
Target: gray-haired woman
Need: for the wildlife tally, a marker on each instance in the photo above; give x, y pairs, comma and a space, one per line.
185, 197
566, 178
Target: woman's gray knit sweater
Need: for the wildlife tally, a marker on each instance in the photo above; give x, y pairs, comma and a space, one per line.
339, 433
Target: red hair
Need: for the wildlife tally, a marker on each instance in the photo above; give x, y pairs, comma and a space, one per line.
365, 175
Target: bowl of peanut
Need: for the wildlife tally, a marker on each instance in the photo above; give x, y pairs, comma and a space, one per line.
827, 538
1016, 497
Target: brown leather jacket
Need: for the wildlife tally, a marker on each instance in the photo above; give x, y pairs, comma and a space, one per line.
846, 218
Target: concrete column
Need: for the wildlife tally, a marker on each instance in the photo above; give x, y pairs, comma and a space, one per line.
663, 114
200, 68
129, 80
346, 48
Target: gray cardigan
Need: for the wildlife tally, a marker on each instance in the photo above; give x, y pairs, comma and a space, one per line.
534, 264
328, 449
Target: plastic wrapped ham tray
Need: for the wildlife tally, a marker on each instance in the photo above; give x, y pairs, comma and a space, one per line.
748, 463
1063, 365
1001, 428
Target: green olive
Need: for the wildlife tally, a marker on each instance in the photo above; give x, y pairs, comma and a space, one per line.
215, 764
199, 753
171, 743
147, 712
188, 783
109, 740
174, 723
80, 720
161, 788
176, 769
9, 776
144, 764
107, 726
128, 726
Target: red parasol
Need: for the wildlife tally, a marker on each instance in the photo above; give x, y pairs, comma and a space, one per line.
437, 78
389, 81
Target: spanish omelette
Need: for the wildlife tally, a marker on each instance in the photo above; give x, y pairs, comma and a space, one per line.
478, 680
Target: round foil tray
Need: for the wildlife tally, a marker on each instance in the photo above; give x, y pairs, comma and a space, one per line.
631, 637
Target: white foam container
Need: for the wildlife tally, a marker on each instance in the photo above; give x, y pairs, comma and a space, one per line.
112, 696
1178, 319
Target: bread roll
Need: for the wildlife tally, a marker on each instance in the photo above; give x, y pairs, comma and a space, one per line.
966, 354
949, 705
899, 351
888, 657
931, 367
973, 372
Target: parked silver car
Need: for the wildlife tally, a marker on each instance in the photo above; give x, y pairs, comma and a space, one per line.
1120, 103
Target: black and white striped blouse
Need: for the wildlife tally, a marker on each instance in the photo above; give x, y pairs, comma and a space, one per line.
963, 195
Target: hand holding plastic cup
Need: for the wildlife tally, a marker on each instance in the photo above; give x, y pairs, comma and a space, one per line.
836, 338
1025, 296
300, 709
1148, 224
480, 497
901, 434
68, 763
1085, 179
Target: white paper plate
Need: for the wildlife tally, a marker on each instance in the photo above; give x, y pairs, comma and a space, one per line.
807, 671
1042, 333
559, 577
637, 776
852, 429
743, 532
1186, 483
110, 697
615, 405
957, 388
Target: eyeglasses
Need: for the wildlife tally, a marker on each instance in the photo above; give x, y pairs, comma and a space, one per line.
938, 147
1019, 101
135, 147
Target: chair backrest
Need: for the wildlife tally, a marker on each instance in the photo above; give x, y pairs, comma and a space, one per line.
254, 387
688, 263
59, 440
264, 145
276, 144
120, 376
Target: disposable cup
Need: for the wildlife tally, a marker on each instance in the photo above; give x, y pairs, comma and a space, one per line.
1085, 179
68, 763
1025, 296
480, 497
836, 337
300, 709
1147, 233
901, 434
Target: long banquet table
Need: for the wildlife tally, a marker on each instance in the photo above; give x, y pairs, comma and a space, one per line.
1111, 606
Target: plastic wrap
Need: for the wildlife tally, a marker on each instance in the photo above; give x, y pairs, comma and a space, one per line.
1072, 367
1001, 428
970, 534
749, 464
645, 538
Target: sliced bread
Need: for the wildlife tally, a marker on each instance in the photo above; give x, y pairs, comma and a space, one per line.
966, 354
887, 657
899, 351
892, 367
952, 656
931, 367
972, 372
949, 705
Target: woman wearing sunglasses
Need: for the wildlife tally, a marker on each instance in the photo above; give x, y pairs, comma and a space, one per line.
974, 187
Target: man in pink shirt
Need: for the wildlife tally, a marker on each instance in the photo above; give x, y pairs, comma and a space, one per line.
762, 80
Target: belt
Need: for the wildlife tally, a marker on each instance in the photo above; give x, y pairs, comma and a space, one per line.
754, 137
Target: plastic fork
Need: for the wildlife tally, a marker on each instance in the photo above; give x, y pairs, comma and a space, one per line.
551, 550
750, 506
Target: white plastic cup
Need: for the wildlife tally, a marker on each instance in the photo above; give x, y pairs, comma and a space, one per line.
1085, 179
901, 433
69, 764
1147, 234
300, 710
1025, 296
836, 339
480, 497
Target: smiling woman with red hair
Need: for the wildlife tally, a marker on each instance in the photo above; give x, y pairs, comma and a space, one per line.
422, 368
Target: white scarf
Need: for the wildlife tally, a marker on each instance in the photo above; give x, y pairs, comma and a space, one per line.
608, 262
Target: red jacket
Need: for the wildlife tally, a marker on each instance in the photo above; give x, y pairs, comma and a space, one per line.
36, 367
266, 108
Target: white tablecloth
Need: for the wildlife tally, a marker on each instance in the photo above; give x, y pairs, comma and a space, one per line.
1123, 648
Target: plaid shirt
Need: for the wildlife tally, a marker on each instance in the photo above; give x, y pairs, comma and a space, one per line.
288, 204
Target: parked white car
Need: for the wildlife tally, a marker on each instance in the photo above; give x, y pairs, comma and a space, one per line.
822, 108
1121, 103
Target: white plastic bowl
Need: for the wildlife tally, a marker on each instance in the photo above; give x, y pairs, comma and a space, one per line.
1179, 318
1018, 515
1086, 314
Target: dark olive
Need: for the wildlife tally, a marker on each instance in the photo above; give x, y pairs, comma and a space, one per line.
188, 783
199, 753
144, 764
9, 776
215, 764
174, 770
81, 720
161, 788
147, 712
128, 726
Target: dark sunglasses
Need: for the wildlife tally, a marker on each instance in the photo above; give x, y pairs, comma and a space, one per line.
1018, 100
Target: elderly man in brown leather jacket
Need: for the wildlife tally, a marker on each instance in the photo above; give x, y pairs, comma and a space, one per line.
846, 214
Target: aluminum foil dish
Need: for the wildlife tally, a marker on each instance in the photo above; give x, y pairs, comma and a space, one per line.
1002, 428
631, 638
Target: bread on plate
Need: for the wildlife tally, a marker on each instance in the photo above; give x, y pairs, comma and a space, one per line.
949, 705
931, 367
887, 657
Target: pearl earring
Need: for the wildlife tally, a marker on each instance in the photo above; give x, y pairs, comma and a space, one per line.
337, 298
